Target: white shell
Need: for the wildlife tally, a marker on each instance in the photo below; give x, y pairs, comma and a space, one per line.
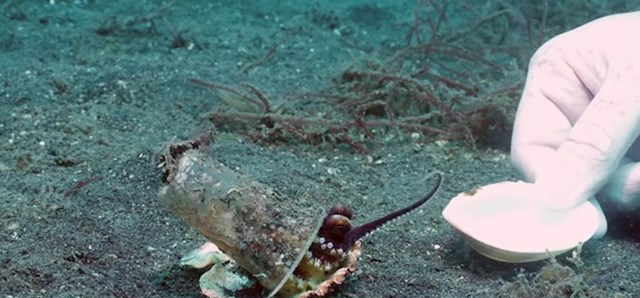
503, 221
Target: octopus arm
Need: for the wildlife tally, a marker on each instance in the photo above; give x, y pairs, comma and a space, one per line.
356, 233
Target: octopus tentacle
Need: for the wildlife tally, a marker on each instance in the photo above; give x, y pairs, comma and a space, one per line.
332, 247
337, 233
356, 233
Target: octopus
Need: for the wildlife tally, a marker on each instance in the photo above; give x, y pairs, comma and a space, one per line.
332, 255
262, 243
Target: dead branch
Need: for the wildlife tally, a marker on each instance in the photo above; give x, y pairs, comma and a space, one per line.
262, 103
264, 60
313, 131
420, 88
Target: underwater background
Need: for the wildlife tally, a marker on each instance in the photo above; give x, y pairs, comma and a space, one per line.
352, 101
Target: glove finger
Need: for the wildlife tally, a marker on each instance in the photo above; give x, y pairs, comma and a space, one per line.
596, 143
623, 189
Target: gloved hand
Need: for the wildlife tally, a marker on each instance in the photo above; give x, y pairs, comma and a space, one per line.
578, 121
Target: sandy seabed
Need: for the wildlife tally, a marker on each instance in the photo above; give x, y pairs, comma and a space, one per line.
92, 91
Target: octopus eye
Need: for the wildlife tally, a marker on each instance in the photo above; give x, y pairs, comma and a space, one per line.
335, 227
341, 224
341, 210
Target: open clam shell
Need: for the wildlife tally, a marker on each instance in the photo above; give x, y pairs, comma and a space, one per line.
265, 233
505, 222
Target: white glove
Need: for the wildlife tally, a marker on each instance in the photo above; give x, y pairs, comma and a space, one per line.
580, 115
